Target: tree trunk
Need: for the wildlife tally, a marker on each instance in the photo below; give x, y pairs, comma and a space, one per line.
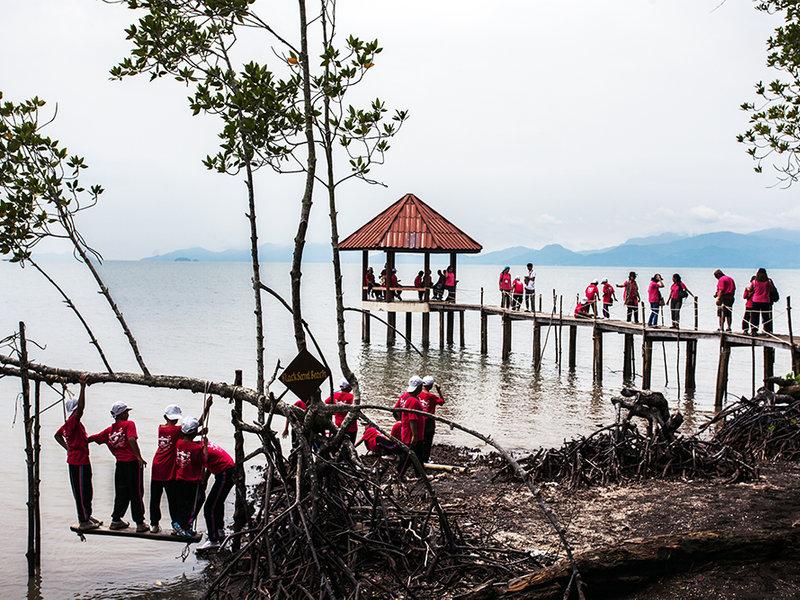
251, 217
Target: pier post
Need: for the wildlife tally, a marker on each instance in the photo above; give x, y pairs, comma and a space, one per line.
722, 373
240, 502
365, 322
691, 366
391, 334
647, 361
461, 328
597, 362
450, 323
506, 337
484, 334
627, 358
573, 346
769, 365
441, 330
426, 329
408, 329
537, 346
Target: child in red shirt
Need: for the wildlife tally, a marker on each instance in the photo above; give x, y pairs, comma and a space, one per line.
219, 464
412, 425
344, 396
608, 298
377, 443
189, 464
162, 476
429, 403
72, 437
121, 439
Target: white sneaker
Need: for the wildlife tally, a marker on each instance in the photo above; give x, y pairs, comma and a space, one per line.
208, 545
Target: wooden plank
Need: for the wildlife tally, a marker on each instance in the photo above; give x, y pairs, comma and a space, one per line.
391, 331
769, 366
441, 330
627, 358
461, 337
506, 337
396, 306
365, 324
450, 320
130, 532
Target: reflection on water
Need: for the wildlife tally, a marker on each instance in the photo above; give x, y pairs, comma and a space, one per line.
196, 319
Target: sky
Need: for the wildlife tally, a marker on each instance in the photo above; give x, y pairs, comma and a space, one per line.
582, 123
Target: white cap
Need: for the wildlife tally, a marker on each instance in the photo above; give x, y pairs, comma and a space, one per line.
344, 384
189, 425
173, 412
72, 404
604, 280
414, 384
594, 281
118, 409
428, 380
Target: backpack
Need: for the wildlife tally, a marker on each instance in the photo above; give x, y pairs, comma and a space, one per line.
774, 296
683, 293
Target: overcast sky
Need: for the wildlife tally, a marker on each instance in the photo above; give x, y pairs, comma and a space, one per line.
578, 122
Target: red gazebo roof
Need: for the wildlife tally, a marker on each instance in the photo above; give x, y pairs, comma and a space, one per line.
410, 225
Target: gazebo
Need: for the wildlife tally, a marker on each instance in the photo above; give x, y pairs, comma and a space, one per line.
407, 226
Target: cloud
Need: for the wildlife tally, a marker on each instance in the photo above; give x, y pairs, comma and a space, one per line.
704, 214
548, 219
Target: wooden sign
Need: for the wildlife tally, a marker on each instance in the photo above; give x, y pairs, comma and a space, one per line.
304, 375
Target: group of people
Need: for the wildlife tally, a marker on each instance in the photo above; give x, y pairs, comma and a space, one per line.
388, 284
759, 295
181, 468
519, 292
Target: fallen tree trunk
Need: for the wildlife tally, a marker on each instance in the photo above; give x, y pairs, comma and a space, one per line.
613, 569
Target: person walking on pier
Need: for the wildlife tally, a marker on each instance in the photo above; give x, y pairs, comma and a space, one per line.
609, 297
72, 437
630, 297
344, 396
655, 299
592, 293
678, 292
517, 289
505, 287
162, 475
726, 288
530, 289
765, 294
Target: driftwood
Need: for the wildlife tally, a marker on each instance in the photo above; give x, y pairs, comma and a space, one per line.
615, 569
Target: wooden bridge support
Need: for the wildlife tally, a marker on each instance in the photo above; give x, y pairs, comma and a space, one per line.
461, 339
506, 337
722, 373
597, 355
426, 329
441, 330
408, 329
450, 322
391, 334
365, 321
690, 383
769, 365
537, 346
573, 347
484, 334
647, 362
627, 358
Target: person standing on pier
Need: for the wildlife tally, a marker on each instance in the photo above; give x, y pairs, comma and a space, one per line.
344, 396
530, 289
655, 299
591, 293
518, 289
747, 318
72, 437
369, 283
162, 475
765, 294
450, 283
609, 297
419, 284
438, 287
677, 293
726, 288
505, 287
630, 297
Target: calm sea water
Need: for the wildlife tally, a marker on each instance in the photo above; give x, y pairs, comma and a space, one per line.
196, 319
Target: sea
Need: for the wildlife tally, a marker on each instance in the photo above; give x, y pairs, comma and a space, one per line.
196, 319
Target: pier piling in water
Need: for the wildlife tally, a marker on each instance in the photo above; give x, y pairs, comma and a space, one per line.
573, 347
597, 355
691, 366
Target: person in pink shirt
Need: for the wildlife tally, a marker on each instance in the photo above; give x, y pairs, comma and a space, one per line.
450, 282
765, 294
726, 288
747, 318
592, 293
609, 297
655, 299
677, 293
505, 287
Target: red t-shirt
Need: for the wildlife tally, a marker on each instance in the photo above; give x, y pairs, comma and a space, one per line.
675, 290
164, 459
116, 438
591, 292
188, 460
301, 405
410, 402
653, 292
608, 293
370, 438
395, 432
338, 418
77, 443
761, 291
449, 279
725, 285
429, 401
581, 309
217, 460
518, 287
505, 282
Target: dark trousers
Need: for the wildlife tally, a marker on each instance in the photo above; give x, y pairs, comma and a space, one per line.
517, 301
505, 299
214, 510
128, 489
530, 300
80, 478
351, 435
675, 305
406, 461
633, 311
156, 489
385, 447
606, 310
427, 440
761, 311
747, 319
451, 293
189, 496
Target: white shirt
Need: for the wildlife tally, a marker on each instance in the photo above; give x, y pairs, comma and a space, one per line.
531, 277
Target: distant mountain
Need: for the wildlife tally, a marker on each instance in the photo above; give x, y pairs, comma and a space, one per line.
312, 252
775, 248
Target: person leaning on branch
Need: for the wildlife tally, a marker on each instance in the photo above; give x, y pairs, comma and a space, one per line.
725, 297
412, 426
162, 473
72, 437
219, 464
378, 444
121, 439
630, 297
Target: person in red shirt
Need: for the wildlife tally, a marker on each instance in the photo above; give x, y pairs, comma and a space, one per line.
747, 318
377, 443
592, 292
300, 404
72, 437
505, 287
517, 290
581, 310
450, 283
344, 396
677, 293
609, 297
630, 297
412, 425
726, 288
765, 294
189, 465
396, 429
162, 475
219, 464
121, 439
429, 402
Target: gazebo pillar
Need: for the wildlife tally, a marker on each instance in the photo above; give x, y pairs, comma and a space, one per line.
426, 316
391, 316
450, 313
365, 316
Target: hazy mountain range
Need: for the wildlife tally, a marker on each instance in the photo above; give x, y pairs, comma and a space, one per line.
776, 248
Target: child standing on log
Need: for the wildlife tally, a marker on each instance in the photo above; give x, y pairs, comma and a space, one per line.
429, 402
72, 437
219, 464
412, 425
189, 463
162, 477
121, 439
